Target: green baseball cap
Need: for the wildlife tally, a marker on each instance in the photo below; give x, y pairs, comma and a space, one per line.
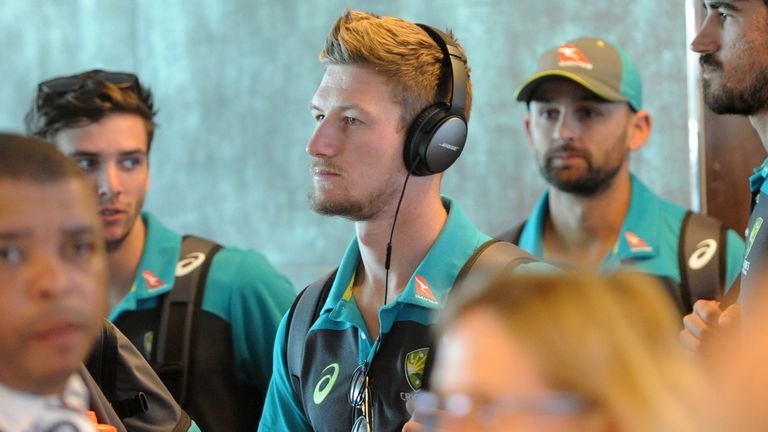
601, 67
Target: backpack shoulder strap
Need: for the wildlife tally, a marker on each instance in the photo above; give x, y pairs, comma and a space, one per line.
102, 362
491, 259
488, 261
513, 234
702, 258
304, 311
175, 345
99, 403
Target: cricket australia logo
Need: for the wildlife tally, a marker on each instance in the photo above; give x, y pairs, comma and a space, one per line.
414, 367
327, 380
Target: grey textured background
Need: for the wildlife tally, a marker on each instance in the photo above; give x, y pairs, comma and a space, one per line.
232, 80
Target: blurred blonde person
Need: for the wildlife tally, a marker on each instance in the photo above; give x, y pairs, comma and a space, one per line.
566, 352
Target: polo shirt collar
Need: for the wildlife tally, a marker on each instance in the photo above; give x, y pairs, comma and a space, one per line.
157, 268
434, 277
641, 233
532, 236
757, 180
639, 236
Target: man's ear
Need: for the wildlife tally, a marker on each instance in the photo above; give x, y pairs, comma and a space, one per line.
527, 127
639, 130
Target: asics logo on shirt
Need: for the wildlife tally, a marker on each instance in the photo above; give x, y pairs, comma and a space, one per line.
326, 383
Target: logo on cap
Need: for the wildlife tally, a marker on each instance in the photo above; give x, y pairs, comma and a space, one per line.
570, 55
423, 291
636, 244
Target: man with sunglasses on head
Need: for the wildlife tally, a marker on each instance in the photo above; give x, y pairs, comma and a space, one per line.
390, 116
105, 122
585, 117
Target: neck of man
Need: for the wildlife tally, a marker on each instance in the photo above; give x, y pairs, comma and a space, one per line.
583, 230
422, 217
124, 263
759, 121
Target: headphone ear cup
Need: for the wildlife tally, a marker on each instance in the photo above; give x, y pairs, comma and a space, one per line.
435, 140
417, 140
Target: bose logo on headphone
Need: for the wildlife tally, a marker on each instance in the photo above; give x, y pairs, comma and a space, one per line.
437, 135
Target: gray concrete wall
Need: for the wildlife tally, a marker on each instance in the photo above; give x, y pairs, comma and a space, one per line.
233, 78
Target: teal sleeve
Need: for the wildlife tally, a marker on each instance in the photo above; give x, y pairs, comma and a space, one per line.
282, 411
194, 427
734, 247
249, 293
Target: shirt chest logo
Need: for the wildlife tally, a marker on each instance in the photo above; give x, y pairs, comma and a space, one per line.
423, 291
636, 244
153, 282
326, 382
414, 367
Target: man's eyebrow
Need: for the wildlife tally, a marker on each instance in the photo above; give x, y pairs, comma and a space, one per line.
77, 230
95, 155
355, 107
13, 235
721, 5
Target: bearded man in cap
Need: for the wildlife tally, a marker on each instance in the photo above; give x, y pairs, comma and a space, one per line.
585, 116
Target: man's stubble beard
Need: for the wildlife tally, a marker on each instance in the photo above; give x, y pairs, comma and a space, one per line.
355, 210
591, 183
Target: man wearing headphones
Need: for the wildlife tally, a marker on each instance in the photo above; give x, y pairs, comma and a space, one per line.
364, 348
210, 338
585, 117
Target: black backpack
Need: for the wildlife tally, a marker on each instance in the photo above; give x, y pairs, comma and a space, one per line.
127, 382
701, 278
491, 258
111, 362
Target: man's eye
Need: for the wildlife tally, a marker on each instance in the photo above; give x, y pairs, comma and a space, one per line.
80, 248
549, 114
11, 255
131, 163
352, 121
87, 164
319, 117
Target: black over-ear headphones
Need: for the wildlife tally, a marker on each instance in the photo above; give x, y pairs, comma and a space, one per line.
437, 135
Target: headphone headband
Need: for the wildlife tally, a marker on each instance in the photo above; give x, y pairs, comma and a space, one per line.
454, 62
437, 135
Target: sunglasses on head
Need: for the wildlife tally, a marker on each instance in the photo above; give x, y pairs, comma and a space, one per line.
53, 89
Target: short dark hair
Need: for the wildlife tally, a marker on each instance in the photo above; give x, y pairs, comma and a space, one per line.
30, 159
92, 97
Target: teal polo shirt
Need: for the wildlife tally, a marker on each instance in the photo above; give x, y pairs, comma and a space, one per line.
648, 240
339, 341
244, 293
